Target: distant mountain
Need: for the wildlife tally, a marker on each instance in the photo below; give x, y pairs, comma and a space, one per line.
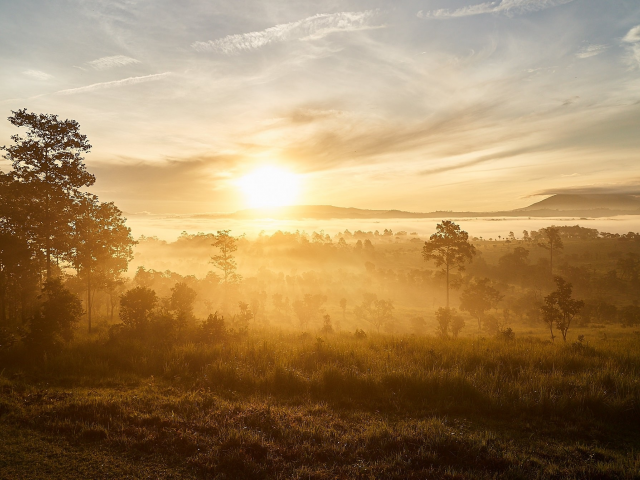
566, 202
565, 205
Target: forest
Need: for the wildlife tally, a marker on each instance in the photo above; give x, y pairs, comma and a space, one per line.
352, 354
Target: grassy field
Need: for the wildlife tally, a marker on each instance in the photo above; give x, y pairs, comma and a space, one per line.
285, 405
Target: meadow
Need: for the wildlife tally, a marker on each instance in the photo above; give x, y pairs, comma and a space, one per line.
282, 404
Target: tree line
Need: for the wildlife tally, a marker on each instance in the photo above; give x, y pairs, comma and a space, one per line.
50, 223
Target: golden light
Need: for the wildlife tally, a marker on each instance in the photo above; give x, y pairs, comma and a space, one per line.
270, 187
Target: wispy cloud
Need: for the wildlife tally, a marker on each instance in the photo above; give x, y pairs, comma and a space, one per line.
627, 188
106, 63
632, 41
309, 28
591, 51
114, 84
506, 7
37, 74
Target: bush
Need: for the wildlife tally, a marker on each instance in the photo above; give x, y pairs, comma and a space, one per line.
213, 329
360, 334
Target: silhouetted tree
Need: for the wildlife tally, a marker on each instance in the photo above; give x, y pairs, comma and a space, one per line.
515, 262
49, 162
552, 243
53, 323
478, 298
225, 261
443, 319
213, 329
101, 245
243, 318
559, 308
135, 307
326, 326
450, 247
629, 266
19, 263
181, 302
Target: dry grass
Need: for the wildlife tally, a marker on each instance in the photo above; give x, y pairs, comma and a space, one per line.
278, 405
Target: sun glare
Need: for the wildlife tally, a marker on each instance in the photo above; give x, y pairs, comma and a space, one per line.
270, 187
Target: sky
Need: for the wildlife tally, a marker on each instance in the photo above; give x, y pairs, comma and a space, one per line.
413, 105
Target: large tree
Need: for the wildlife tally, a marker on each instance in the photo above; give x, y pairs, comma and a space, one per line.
448, 247
102, 245
49, 162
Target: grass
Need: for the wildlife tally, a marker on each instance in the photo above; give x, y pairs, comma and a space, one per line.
282, 405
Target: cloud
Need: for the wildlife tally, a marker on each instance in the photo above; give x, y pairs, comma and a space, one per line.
106, 63
114, 84
632, 38
628, 188
477, 161
37, 74
506, 7
174, 185
591, 51
310, 28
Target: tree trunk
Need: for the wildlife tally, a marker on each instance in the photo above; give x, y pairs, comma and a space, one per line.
447, 285
48, 258
89, 299
3, 316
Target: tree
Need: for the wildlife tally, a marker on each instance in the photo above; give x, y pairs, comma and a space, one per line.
448, 319
478, 298
225, 260
553, 242
377, 312
514, 262
629, 266
135, 306
559, 308
181, 302
450, 247
213, 329
326, 326
53, 323
309, 308
19, 262
343, 306
102, 245
49, 162
243, 318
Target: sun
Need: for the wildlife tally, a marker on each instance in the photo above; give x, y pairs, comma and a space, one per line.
270, 187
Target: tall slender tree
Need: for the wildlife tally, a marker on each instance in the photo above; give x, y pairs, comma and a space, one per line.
448, 247
553, 242
227, 245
